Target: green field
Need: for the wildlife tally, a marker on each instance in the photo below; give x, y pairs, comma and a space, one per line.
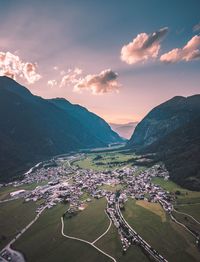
14, 215
5, 191
43, 242
103, 161
191, 209
186, 196
171, 240
90, 223
187, 221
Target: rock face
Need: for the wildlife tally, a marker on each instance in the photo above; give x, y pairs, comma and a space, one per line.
165, 118
33, 128
172, 131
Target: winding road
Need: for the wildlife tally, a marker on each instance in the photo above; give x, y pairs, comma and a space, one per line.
186, 215
87, 242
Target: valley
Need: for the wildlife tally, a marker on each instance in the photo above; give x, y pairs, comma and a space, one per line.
88, 201
99, 131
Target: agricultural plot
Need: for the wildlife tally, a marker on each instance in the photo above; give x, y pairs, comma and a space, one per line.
168, 238
105, 161
14, 215
52, 245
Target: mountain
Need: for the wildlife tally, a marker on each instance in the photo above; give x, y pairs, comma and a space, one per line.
124, 130
93, 124
33, 128
172, 131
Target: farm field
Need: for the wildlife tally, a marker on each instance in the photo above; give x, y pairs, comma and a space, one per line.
53, 246
14, 215
191, 209
106, 160
168, 238
90, 223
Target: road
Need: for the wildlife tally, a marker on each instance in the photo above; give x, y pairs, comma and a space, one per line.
186, 215
87, 242
181, 224
152, 252
102, 235
7, 248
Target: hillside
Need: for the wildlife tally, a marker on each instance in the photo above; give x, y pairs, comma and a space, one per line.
94, 125
172, 131
33, 129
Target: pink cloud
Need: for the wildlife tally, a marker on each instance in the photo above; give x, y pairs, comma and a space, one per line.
52, 83
191, 51
12, 66
143, 47
104, 82
72, 77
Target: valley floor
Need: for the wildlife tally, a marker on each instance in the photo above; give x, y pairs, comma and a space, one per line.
79, 226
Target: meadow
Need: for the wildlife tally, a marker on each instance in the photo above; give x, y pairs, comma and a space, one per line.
105, 161
184, 196
14, 215
168, 238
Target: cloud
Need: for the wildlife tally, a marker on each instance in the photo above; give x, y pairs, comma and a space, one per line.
12, 66
72, 77
191, 51
196, 28
104, 82
52, 83
143, 47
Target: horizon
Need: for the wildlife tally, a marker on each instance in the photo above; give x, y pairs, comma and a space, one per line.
110, 123
146, 60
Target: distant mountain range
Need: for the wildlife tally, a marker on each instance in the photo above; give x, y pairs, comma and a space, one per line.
124, 130
33, 128
172, 131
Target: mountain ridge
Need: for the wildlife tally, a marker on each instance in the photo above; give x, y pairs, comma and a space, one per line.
172, 132
33, 128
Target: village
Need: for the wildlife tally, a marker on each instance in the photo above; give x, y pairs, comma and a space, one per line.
64, 182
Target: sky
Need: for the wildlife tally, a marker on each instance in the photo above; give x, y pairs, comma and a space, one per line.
117, 58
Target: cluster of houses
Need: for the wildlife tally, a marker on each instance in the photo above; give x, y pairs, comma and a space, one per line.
75, 186
64, 182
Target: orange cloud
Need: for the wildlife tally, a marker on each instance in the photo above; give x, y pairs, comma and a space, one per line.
143, 47
191, 51
12, 66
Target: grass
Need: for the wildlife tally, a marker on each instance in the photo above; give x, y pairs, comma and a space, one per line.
193, 210
14, 215
109, 161
187, 221
171, 240
154, 208
168, 185
111, 244
5, 191
90, 223
43, 242
186, 196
